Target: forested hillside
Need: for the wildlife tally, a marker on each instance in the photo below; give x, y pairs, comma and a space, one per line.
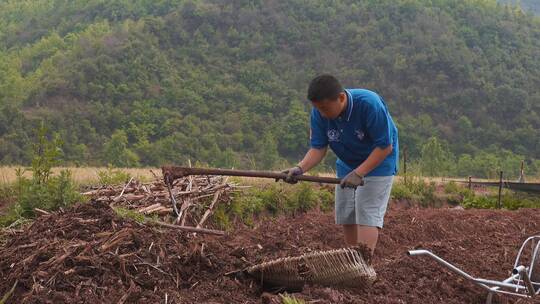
532, 5
223, 82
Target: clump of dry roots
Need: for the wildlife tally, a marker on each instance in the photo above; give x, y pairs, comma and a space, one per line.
89, 254
196, 198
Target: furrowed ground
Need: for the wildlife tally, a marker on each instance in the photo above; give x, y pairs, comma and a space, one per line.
89, 254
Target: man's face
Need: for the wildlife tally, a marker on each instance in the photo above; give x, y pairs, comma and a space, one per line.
330, 109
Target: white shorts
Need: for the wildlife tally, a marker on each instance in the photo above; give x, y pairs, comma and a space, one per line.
365, 206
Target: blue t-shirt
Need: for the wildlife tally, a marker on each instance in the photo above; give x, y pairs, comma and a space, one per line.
364, 125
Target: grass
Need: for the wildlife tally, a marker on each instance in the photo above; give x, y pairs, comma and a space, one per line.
7, 193
487, 198
428, 193
82, 175
416, 189
131, 214
272, 199
8, 294
286, 299
265, 197
90, 175
509, 200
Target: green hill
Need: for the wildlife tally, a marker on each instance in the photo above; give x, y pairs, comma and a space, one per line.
532, 5
223, 82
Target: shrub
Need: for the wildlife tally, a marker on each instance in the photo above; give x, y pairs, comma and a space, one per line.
42, 190
509, 200
479, 202
416, 189
244, 207
275, 199
401, 191
302, 199
326, 199
513, 202
451, 187
49, 194
221, 218
112, 176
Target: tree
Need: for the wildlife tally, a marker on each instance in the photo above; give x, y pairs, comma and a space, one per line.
117, 153
192, 79
435, 158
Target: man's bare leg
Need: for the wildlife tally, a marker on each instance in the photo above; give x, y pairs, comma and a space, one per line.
351, 234
368, 235
359, 234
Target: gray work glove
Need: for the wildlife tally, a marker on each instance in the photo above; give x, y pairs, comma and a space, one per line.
291, 174
352, 180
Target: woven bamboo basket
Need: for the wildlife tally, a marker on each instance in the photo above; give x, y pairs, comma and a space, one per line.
344, 267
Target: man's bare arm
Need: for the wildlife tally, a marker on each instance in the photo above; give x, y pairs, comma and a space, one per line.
374, 159
312, 158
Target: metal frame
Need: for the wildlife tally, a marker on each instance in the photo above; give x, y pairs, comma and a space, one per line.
518, 284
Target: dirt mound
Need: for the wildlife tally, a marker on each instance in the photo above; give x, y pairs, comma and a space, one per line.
89, 255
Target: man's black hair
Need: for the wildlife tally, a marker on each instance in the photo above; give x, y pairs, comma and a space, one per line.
324, 87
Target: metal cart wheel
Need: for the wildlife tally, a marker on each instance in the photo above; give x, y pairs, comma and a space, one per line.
535, 275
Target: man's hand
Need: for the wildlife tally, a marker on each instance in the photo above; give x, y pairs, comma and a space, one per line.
352, 180
291, 174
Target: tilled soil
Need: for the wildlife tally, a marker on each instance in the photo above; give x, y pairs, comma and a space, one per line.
87, 254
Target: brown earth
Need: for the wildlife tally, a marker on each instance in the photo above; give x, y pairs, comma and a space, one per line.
89, 255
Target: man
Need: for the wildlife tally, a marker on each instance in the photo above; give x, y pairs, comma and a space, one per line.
357, 126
